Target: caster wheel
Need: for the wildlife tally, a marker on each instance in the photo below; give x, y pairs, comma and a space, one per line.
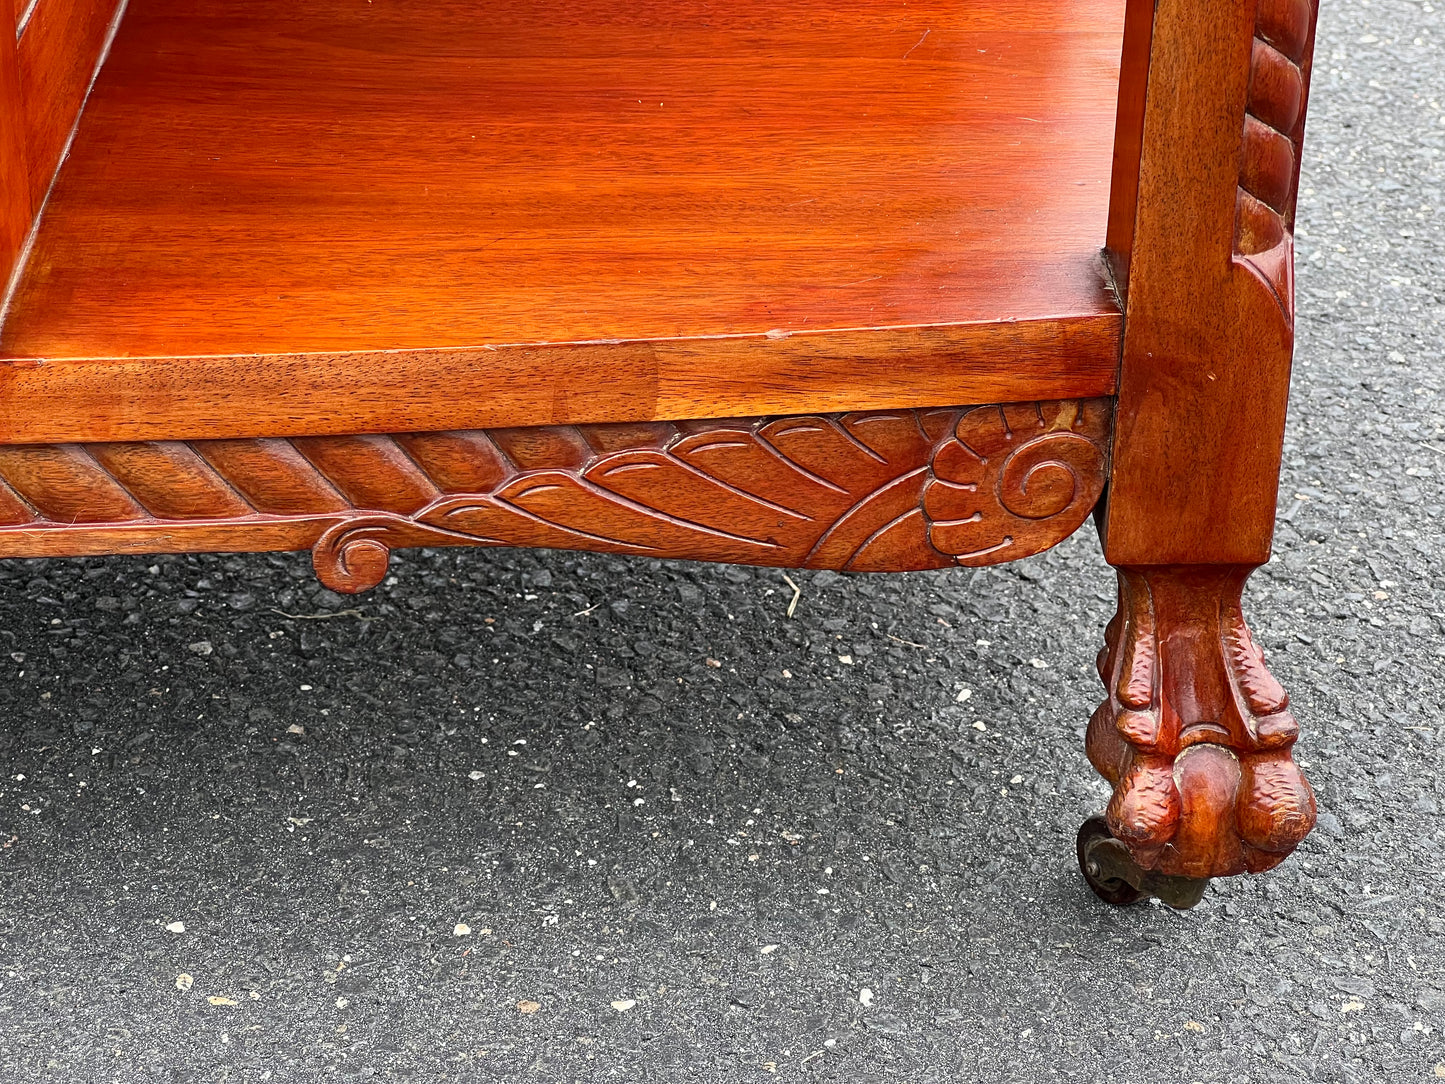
1092, 834
1116, 878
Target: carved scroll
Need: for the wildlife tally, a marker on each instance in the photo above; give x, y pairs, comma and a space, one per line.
1273, 134
875, 491
1195, 734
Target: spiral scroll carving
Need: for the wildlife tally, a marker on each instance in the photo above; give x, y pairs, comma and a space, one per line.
1007, 466
867, 491
1273, 134
353, 555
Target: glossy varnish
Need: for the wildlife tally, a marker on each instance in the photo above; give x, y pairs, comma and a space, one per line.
333, 179
59, 47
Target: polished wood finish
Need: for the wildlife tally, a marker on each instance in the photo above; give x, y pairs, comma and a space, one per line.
1210, 309
1195, 733
347, 277
1129, 138
15, 206
316, 183
671, 379
58, 55
865, 491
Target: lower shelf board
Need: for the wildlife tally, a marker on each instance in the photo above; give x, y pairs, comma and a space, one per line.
866, 492
280, 218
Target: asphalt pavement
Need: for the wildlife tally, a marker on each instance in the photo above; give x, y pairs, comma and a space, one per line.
545, 816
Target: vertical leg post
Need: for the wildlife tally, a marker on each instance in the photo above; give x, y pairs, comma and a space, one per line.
1195, 734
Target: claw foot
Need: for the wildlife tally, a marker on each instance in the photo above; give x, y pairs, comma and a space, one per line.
1195, 734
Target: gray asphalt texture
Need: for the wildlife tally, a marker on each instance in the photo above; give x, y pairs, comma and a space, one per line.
537, 746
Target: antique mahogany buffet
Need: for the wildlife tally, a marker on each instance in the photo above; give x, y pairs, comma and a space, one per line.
876, 286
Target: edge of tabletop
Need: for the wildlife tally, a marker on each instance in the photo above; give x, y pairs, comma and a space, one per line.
63, 399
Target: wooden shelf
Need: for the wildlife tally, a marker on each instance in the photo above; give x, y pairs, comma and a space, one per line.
391, 215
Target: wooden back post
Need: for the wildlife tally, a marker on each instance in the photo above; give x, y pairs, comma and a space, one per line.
47, 63
15, 207
1200, 239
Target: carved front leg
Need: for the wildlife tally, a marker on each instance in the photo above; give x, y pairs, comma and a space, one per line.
1195, 734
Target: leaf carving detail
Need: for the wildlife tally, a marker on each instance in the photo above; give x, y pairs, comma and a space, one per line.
887, 490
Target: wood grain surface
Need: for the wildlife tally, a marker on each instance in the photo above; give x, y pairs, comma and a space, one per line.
58, 54
670, 379
1129, 137
15, 206
1209, 333
1195, 734
331, 180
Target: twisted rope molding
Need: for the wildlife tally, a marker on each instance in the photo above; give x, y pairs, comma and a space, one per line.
873, 491
1274, 124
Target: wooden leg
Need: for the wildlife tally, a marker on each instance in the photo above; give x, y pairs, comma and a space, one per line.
1195, 734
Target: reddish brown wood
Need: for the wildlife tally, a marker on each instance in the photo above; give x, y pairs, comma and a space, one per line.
169, 480
1195, 733
314, 183
454, 254
1129, 138
58, 55
64, 484
870, 491
676, 379
1210, 310
271, 476
15, 207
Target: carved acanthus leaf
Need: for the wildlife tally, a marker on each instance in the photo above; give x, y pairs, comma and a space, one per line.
869, 491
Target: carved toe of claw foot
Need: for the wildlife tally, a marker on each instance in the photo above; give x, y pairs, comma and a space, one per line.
1195, 735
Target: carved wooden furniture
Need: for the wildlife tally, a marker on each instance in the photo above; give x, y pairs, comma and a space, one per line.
876, 286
